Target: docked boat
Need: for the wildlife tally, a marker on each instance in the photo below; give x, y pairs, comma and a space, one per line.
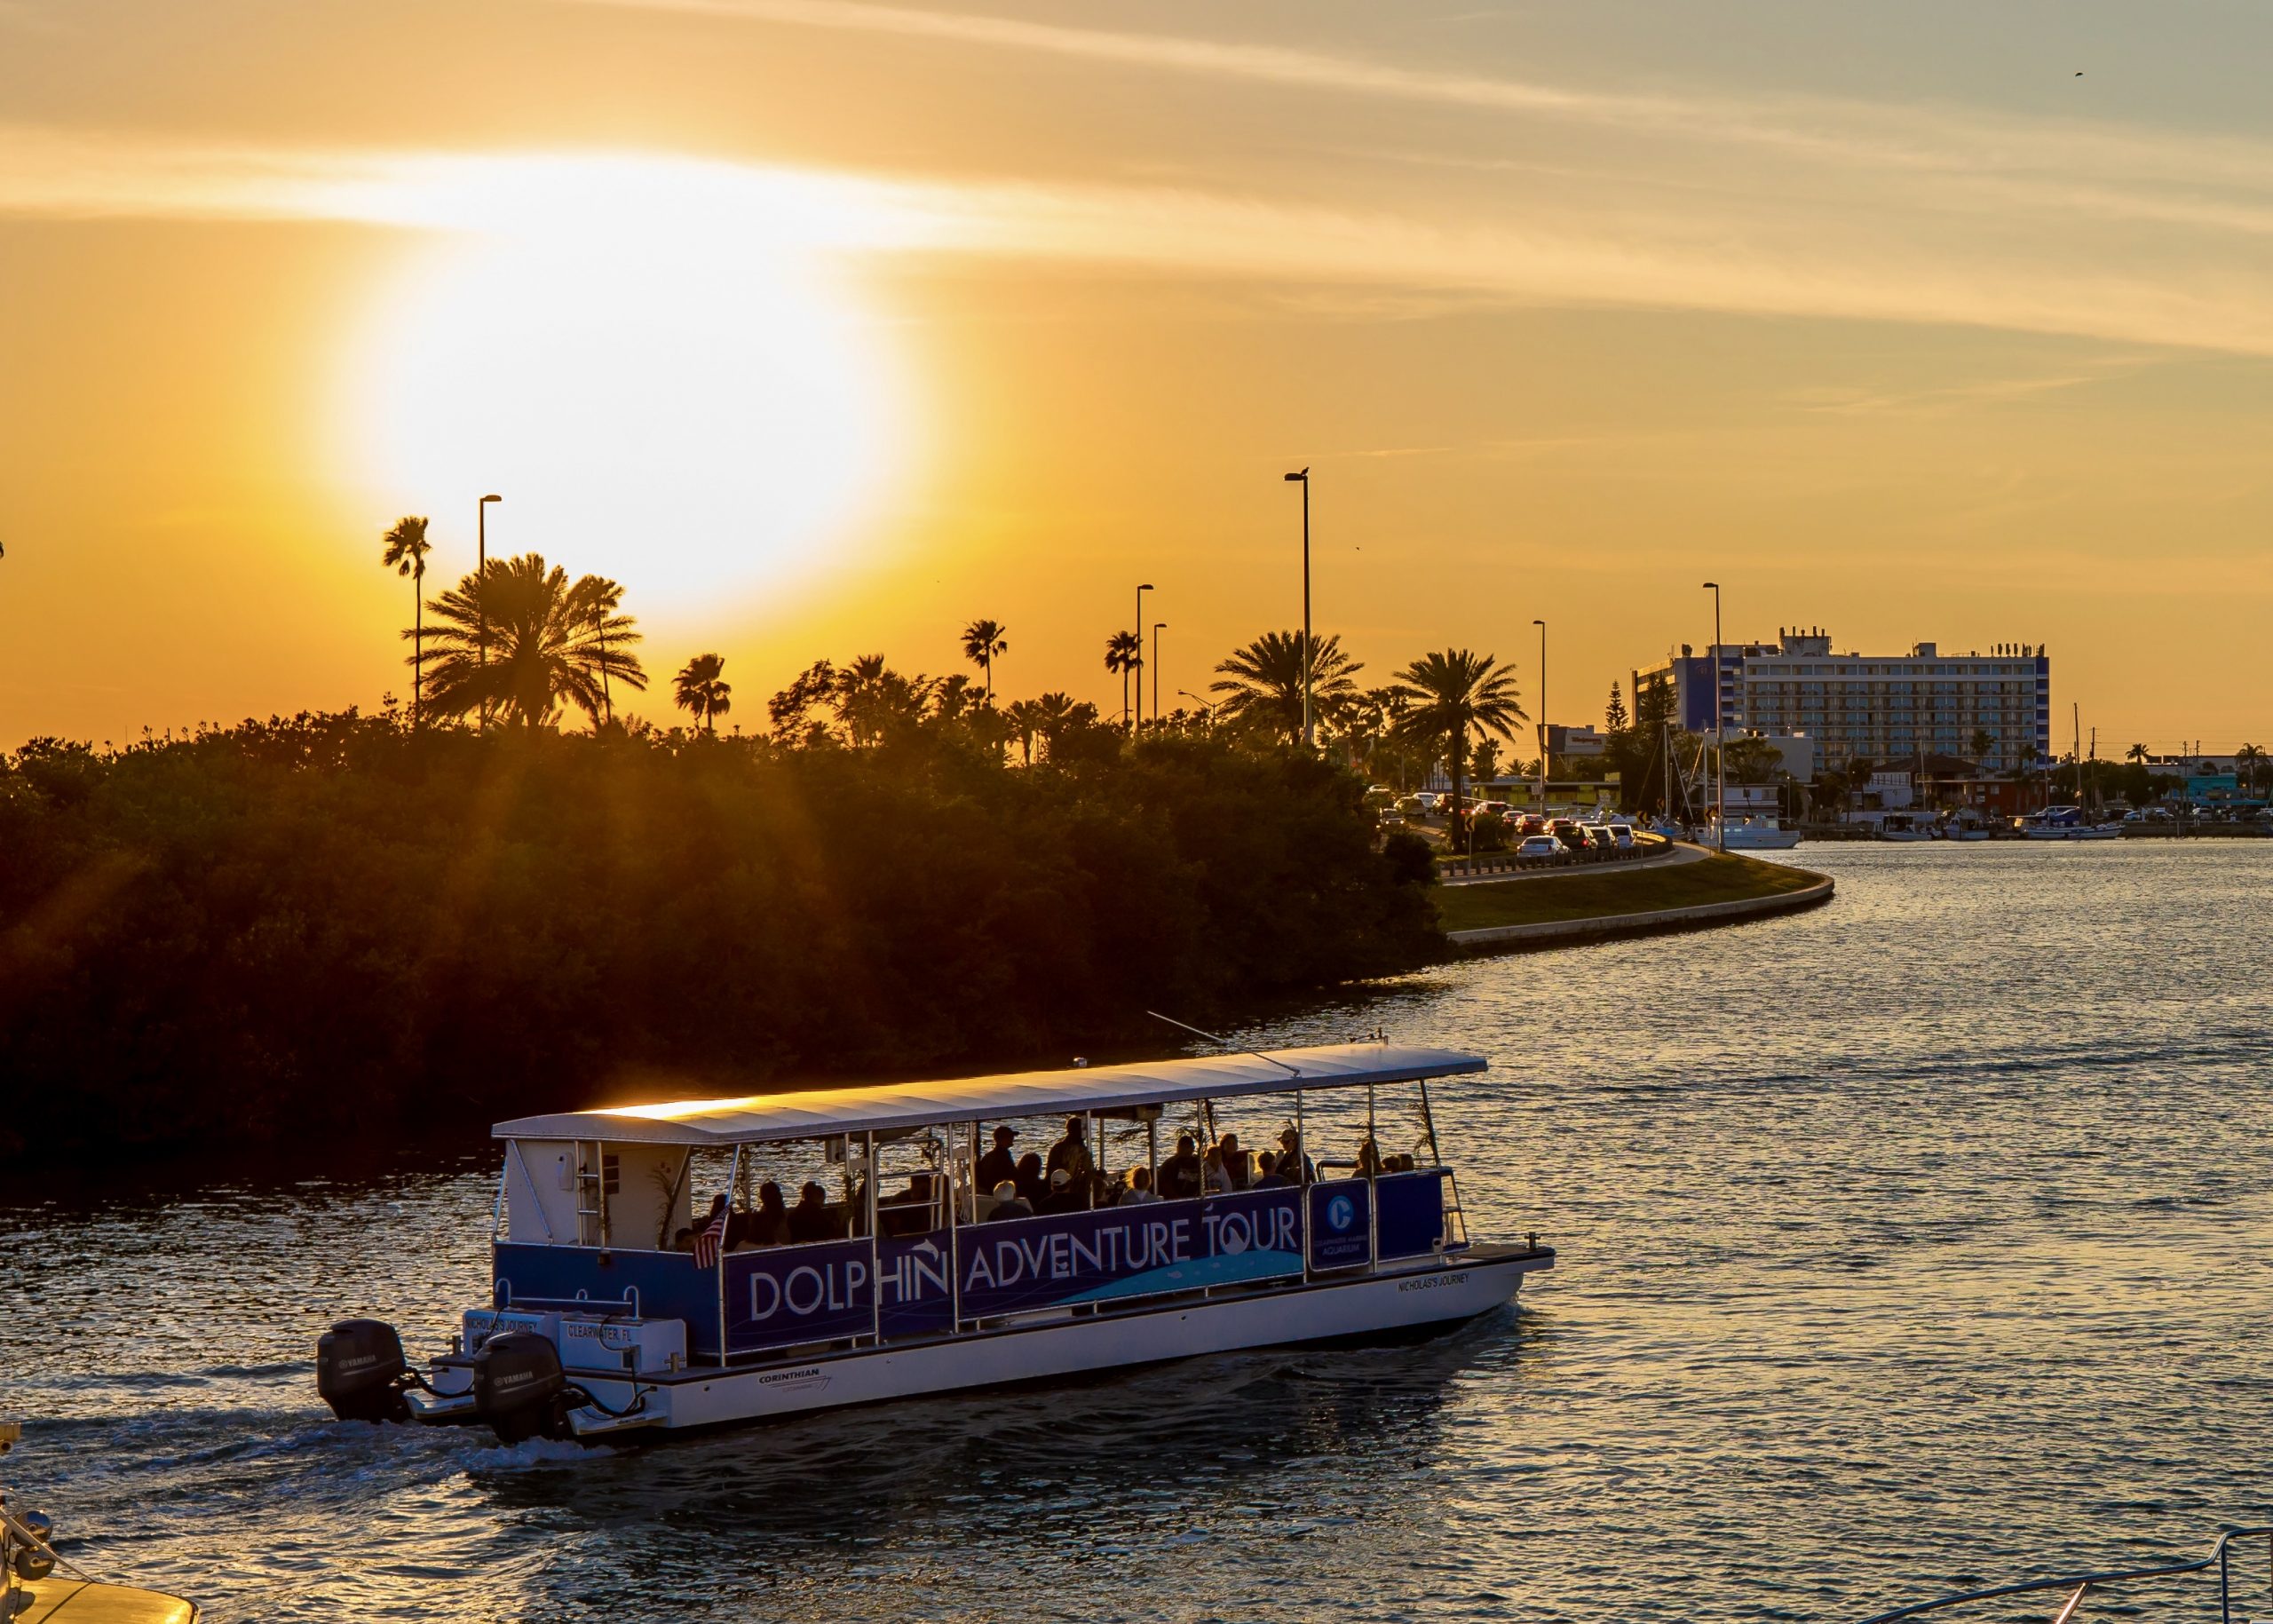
612, 1307
1903, 827
2065, 823
36, 1584
1756, 834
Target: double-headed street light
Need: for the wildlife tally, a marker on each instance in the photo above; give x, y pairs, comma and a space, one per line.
481, 594
1719, 763
1309, 715
1206, 705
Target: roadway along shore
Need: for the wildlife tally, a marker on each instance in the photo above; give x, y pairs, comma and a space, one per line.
1701, 889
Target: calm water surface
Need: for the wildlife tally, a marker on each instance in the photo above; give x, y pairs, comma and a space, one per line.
1920, 1237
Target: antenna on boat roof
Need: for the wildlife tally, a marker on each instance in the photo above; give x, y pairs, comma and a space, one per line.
1226, 1042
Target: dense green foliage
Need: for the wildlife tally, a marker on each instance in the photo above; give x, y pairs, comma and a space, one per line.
333, 924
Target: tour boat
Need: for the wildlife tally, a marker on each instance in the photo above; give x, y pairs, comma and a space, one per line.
1761, 834
36, 1584
595, 1322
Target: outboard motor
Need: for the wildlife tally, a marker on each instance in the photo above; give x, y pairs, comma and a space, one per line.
519, 1388
361, 1371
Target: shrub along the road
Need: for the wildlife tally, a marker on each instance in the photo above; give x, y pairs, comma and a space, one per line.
328, 925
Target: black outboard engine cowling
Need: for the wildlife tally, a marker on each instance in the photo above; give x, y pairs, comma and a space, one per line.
519, 1388
361, 1371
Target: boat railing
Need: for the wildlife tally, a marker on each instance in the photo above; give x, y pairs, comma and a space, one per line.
2078, 1586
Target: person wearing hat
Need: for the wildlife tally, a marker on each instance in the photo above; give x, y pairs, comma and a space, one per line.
1065, 1194
998, 1164
1007, 1204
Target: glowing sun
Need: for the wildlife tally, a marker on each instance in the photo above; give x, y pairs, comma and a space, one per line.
664, 381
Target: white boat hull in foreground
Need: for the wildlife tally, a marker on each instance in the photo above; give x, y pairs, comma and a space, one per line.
1374, 1306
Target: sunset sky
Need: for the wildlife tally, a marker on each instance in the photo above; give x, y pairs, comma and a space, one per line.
825, 327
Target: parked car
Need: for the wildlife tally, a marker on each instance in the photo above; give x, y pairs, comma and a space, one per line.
1541, 847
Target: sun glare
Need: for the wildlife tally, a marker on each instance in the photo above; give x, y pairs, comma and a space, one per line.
669, 386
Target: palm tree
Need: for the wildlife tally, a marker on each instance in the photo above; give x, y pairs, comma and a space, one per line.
1025, 718
703, 689
404, 551
2246, 757
2138, 753
983, 642
1124, 652
1458, 690
1262, 682
550, 642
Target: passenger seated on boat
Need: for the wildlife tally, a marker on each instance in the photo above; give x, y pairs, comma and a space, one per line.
1291, 1159
1212, 1177
1140, 1188
908, 1213
1266, 1170
812, 1218
1071, 1154
998, 1164
768, 1226
1064, 1195
1236, 1170
1180, 1174
1369, 1161
1009, 1204
1034, 1184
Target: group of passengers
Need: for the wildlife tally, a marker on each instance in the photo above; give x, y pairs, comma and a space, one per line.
1067, 1179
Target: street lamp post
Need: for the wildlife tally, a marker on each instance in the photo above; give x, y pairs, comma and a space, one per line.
1720, 762
1206, 705
1310, 717
1542, 716
481, 593
1140, 657
1158, 627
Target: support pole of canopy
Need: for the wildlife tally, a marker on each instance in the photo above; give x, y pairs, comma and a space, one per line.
1301, 1180
876, 1257
1372, 1190
954, 1235
733, 1176
1436, 1162
1428, 1127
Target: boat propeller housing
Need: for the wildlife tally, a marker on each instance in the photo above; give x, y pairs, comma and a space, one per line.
361, 1371
518, 1387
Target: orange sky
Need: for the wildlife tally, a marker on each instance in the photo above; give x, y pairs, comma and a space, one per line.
826, 327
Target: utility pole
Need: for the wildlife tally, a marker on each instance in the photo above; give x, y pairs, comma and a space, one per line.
1542, 716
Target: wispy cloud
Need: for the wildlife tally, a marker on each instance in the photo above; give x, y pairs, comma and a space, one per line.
1877, 263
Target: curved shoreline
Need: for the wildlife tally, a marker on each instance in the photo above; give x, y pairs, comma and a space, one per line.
1655, 921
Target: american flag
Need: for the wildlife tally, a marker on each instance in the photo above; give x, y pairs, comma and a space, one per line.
712, 1238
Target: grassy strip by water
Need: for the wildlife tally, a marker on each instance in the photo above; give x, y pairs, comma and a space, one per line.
1592, 896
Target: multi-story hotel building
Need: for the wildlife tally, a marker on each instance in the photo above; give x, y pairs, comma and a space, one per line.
1879, 708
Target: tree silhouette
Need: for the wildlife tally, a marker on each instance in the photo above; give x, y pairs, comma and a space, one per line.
1613, 714
550, 642
1262, 684
703, 689
1457, 690
1124, 652
404, 551
983, 642
2138, 753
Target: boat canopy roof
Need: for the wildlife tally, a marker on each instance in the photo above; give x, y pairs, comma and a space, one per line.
815, 1113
